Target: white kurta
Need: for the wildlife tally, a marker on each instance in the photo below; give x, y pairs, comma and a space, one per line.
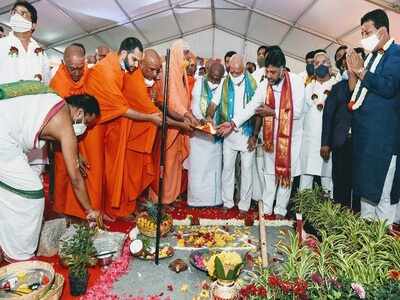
234, 143
271, 190
21, 216
259, 74
205, 161
298, 104
311, 161
24, 66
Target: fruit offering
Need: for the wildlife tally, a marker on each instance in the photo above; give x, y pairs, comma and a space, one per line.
147, 221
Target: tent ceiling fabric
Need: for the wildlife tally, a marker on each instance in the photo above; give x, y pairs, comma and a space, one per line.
212, 27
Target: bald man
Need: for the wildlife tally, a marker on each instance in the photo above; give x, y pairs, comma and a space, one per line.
232, 96
205, 158
91, 60
70, 79
101, 52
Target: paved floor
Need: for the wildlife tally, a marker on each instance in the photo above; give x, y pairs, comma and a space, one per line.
145, 278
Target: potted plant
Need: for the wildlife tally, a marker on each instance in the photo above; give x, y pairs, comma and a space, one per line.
225, 268
79, 253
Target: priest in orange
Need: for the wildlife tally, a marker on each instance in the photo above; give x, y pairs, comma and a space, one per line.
177, 146
106, 83
70, 80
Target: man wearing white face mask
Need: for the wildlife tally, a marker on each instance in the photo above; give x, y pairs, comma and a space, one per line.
232, 97
205, 158
27, 122
375, 103
22, 58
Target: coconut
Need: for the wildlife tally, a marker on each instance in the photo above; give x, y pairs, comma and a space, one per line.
136, 247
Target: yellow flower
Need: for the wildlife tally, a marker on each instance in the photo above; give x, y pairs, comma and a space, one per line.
204, 294
228, 259
181, 243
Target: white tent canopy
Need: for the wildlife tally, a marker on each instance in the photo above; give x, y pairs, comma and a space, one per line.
211, 27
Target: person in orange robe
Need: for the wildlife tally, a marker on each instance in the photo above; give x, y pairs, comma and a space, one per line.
177, 144
106, 84
69, 80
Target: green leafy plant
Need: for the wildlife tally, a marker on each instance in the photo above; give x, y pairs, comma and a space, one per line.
79, 251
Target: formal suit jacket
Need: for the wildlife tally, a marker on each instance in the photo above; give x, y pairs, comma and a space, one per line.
336, 119
376, 129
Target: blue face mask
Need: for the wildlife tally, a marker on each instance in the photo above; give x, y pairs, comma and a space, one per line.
310, 69
321, 71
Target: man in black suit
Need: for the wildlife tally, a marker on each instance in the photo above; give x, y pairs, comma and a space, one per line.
336, 133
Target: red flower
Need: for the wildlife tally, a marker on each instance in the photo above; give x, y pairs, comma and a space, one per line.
39, 50
300, 287
286, 286
394, 274
273, 281
316, 278
13, 51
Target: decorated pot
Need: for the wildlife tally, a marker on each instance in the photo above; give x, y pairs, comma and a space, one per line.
224, 290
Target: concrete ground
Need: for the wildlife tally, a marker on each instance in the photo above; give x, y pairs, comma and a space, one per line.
145, 278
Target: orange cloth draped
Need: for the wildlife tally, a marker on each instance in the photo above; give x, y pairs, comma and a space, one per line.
191, 81
105, 83
284, 136
177, 146
128, 150
65, 201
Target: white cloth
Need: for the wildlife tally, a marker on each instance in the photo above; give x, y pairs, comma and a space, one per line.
311, 161
259, 74
383, 210
306, 182
21, 120
298, 104
303, 75
228, 177
236, 142
24, 66
204, 161
271, 192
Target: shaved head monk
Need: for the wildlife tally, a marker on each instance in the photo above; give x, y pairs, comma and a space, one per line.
101, 52
106, 83
70, 79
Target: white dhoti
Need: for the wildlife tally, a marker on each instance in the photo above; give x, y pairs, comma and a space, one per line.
273, 191
21, 202
228, 177
204, 172
21, 190
383, 210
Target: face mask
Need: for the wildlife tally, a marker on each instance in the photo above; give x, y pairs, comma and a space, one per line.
79, 128
370, 42
321, 71
345, 75
148, 83
237, 80
310, 69
90, 66
261, 61
19, 23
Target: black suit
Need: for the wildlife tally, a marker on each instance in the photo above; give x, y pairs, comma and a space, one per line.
336, 125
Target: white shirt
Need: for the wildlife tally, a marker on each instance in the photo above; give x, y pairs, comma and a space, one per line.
237, 140
22, 66
259, 75
312, 162
298, 112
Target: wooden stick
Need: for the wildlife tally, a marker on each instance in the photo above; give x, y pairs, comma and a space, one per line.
263, 235
162, 157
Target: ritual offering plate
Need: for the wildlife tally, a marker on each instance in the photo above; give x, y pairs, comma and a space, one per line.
144, 249
26, 280
207, 128
198, 259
